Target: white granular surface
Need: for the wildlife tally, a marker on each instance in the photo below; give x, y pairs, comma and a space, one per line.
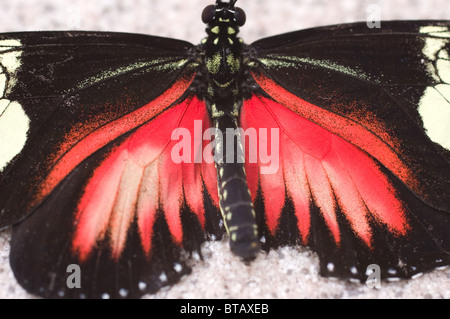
283, 273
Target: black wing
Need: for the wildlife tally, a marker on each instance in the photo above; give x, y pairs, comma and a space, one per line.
387, 92
72, 99
57, 83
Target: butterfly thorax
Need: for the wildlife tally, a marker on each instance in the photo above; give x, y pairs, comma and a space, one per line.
222, 55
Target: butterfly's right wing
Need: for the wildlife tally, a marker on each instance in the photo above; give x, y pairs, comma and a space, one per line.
363, 116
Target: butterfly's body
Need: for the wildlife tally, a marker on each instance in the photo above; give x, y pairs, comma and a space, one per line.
224, 98
98, 179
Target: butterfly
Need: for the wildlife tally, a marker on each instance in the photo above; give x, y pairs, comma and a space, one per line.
123, 153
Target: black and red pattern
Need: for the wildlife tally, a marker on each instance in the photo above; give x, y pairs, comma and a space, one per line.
359, 180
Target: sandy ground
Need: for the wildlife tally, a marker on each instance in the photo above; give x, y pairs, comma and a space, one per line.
284, 273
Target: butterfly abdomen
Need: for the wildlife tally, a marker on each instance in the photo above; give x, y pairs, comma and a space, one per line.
235, 199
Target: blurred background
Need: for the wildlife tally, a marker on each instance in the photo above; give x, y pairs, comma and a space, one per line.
181, 18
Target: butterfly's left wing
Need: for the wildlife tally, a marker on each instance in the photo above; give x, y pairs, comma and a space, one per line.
57, 88
98, 206
364, 121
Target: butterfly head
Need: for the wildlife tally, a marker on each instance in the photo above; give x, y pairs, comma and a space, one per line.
224, 12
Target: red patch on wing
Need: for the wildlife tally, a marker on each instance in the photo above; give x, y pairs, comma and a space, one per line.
80, 144
371, 138
140, 179
317, 165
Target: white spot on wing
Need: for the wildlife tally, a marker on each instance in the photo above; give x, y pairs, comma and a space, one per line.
14, 126
123, 293
435, 111
443, 70
163, 277
443, 55
14, 122
330, 267
10, 60
392, 271
178, 267
434, 106
437, 31
3, 82
3, 105
444, 90
434, 49
142, 286
6, 45
433, 46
